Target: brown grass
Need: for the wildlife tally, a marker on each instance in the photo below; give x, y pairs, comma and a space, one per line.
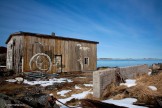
154, 80
112, 90
143, 94
73, 102
90, 96
119, 96
10, 87
141, 91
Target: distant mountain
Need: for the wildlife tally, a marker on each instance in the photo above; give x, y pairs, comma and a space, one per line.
104, 58
128, 59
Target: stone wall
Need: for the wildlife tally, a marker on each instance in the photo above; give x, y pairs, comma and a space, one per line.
133, 71
102, 78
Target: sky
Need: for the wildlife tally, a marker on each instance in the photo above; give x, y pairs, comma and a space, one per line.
123, 28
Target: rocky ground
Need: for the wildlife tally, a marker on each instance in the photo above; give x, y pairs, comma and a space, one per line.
71, 88
68, 88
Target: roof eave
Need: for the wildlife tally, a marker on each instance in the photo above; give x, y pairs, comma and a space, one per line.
44, 35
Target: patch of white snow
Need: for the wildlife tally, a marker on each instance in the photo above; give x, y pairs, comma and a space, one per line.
49, 82
152, 88
129, 83
69, 80
88, 85
149, 73
11, 80
63, 92
81, 95
81, 77
77, 87
127, 102
76, 96
20, 79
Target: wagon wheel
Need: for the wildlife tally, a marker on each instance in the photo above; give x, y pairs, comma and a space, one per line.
42, 62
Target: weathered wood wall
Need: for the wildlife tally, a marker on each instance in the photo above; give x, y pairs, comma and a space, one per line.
14, 54
66, 48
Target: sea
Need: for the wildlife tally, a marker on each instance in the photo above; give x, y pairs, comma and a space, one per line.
123, 63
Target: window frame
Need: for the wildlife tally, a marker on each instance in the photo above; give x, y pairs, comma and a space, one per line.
86, 60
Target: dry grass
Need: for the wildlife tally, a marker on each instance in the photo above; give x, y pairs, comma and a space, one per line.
76, 74
119, 96
143, 94
141, 91
112, 90
90, 96
154, 80
10, 87
73, 102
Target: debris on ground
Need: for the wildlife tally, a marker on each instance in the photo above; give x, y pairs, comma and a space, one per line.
68, 88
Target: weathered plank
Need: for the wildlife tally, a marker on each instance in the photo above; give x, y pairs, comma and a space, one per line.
32, 45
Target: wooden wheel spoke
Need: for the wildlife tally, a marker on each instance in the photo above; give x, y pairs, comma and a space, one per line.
42, 62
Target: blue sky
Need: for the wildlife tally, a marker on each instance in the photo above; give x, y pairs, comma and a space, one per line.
124, 28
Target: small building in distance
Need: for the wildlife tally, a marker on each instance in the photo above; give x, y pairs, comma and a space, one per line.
28, 52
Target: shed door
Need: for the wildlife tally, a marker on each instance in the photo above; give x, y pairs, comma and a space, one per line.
58, 59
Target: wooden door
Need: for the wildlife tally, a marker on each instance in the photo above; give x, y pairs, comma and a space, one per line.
58, 61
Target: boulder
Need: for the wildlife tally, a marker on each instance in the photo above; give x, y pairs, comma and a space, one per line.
19, 79
36, 100
155, 66
9, 102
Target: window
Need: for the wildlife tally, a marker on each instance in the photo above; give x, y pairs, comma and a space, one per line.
11, 46
86, 60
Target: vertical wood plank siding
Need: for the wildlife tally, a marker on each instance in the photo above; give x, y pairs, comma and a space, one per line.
66, 48
14, 54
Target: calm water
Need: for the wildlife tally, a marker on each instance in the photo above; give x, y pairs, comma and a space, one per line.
122, 63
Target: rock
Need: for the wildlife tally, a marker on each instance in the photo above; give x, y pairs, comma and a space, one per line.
36, 100
159, 101
3, 103
156, 66
19, 79
9, 102
152, 88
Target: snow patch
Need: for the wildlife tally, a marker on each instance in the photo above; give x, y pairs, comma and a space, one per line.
152, 88
76, 96
127, 102
77, 87
63, 92
129, 83
64, 100
11, 80
47, 83
81, 95
149, 73
69, 80
81, 77
19, 79
88, 85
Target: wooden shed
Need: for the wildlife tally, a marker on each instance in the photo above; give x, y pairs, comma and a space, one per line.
28, 52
